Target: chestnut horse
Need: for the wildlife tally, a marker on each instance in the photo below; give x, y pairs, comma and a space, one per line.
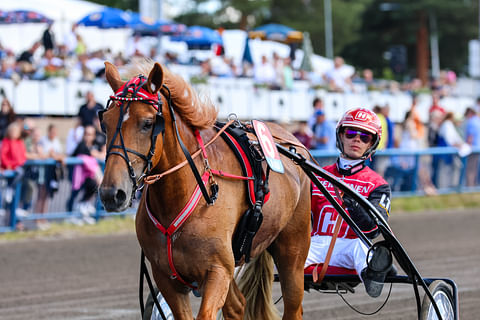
141, 124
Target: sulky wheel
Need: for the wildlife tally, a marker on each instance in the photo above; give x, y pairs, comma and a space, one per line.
442, 295
151, 312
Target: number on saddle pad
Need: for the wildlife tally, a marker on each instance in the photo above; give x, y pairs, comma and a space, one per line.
268, 146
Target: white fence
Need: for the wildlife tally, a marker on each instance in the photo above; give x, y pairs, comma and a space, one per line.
59, 96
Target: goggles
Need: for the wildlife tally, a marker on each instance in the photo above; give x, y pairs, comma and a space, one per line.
364, 136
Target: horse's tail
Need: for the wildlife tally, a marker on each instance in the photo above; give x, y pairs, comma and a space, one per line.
255, 283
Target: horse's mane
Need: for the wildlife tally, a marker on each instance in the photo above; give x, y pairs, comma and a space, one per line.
196, 112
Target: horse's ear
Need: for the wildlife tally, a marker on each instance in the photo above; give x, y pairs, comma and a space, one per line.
155, 79
112, 75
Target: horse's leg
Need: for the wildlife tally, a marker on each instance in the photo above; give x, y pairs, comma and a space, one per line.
290, 251
179, 302
215, 290
235, 304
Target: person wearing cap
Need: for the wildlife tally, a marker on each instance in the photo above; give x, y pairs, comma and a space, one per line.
357, 136
323, 132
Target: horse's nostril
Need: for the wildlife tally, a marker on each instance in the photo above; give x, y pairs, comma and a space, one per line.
120, 197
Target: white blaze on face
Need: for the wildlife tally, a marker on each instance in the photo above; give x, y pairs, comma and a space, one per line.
126, 115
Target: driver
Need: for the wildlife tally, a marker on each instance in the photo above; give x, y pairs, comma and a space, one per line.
358, 133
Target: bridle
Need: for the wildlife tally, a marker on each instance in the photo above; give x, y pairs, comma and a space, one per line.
124, 96
133, 91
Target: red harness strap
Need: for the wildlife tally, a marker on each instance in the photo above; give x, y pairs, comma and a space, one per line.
176, 224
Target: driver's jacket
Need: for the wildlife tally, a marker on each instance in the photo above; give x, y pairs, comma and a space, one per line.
366, 182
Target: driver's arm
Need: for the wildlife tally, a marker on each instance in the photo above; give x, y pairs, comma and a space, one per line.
380, 199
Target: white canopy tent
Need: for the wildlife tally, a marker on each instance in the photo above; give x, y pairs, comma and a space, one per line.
65, 13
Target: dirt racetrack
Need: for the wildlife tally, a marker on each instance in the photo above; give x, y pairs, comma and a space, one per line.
97, 277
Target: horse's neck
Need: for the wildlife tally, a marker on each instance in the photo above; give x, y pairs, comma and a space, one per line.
169, 195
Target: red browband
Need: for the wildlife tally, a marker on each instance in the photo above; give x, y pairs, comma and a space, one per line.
141, 94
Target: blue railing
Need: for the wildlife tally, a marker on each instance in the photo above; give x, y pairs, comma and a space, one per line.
58, 204
405, 181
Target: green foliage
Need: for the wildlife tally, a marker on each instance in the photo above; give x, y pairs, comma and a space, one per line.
121, 4
457, 23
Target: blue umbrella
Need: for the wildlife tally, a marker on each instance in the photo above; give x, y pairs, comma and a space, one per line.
276, 32
172, 28
200, 37
142, 23
148, 26
23, 16
106, 18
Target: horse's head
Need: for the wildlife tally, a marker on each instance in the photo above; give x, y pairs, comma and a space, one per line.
132, 121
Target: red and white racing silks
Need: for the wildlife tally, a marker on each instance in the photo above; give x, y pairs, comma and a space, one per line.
366, 182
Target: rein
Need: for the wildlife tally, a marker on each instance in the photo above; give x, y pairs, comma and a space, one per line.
154, 178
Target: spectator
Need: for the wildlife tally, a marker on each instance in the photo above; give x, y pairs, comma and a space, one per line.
80, 71
387, 140
7, 116
12, 153
317, 105
303, 134
12, 157
401, 173
9, 65
416, 119
264, 73
74, 137
436, 115
323, 132
70, 40
25, 62
336, 79
88, 176
449, 136
136, 47
48, 38
34, 152
477, 105
287, 72
89, 110
49, 176
50, 66
472, 137
81, 47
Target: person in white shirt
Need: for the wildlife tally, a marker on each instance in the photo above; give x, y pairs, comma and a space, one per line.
264, 73
336, 78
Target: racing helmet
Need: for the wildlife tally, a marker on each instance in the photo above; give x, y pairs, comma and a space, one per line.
363, 119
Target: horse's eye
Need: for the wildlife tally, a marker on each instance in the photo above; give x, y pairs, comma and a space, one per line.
147, 125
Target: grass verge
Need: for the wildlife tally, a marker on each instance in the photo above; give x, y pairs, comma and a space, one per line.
114, 225
439, 202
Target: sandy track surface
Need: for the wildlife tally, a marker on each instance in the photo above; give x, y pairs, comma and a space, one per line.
97, 277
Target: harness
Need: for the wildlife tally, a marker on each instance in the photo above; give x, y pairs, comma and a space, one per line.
257, 181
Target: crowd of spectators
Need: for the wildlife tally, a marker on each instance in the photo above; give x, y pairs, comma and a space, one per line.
404, 173
70, 57
21, 140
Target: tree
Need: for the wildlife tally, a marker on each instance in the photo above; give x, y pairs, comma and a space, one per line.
231, 14
121, 4
404, 22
